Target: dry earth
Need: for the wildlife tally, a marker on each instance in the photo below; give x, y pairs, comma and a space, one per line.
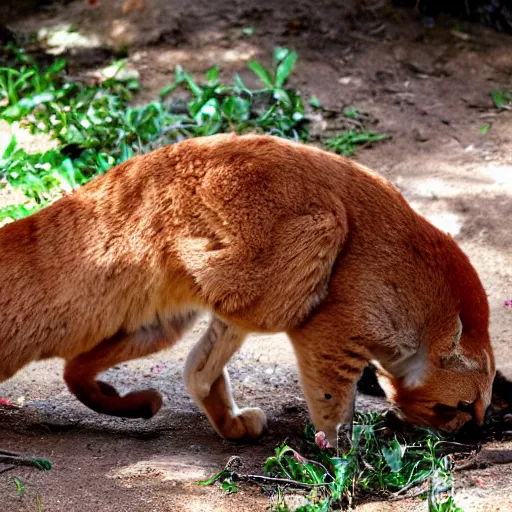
429, 89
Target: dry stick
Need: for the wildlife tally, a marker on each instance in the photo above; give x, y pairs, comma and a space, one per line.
273, 480
17, 458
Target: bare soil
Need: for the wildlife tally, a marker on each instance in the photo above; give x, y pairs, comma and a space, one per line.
429, 89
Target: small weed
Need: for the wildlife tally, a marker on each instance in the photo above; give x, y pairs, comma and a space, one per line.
380, 462
347, 142
248, 31
19, 486
502, 99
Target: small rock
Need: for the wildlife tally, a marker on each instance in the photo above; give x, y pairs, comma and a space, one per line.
419, 135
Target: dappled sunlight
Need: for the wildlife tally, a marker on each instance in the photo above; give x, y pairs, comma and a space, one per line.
31, 142
64, 37
240, 53
501, 174
165, 469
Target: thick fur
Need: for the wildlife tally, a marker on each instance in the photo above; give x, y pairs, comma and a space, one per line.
268, 235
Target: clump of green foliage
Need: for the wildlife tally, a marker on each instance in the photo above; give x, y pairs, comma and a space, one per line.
97, 126
380, 461
502, 99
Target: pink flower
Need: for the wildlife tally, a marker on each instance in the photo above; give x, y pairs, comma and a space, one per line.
508, 303
5, 402
321, 441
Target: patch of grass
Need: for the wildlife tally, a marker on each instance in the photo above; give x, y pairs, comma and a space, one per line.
347, 142
502, 99
381, 462
19, 486
97, 126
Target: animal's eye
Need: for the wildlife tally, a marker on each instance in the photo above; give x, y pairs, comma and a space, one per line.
465, 406
447, 412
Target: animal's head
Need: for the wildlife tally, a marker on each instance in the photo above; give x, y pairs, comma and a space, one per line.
447, 385
447, 381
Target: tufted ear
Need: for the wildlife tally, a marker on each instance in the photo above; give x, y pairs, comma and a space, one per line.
456, 338
455, 360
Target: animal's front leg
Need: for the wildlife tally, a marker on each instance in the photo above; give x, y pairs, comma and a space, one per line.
207, 381
329, 373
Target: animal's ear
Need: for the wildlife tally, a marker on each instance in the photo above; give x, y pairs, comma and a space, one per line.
455, 360
458, 335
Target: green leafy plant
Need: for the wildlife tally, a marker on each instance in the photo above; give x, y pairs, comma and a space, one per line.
96, 125
379, 461
347, 142
502, 99
19, 486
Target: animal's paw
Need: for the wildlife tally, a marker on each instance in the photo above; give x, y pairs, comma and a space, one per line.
141, 404
138, 404
248, 424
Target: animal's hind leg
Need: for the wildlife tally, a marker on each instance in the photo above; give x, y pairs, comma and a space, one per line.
207, 381
101, 397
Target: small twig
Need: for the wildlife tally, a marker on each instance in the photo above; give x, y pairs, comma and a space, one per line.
415, 494
405, 489
18, 459
471, 463
273, 480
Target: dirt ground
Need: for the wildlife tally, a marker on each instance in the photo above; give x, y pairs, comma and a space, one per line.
429, 89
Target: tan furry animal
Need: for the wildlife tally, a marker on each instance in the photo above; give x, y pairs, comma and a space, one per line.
268, 235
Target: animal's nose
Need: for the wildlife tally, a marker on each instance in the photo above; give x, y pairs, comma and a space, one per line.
479, 411
476, 409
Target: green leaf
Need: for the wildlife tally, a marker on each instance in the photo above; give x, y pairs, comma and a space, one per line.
192, 85
9, 150
217, 476
12, 113
126, 152
393, 455
229, 486
42, 464
213, 74
55, 67
315, 102
502, 99
69, 173
351, 113
19, 486
262, 73
209, 111
236, 108
280, 54
240, 84
285, 68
